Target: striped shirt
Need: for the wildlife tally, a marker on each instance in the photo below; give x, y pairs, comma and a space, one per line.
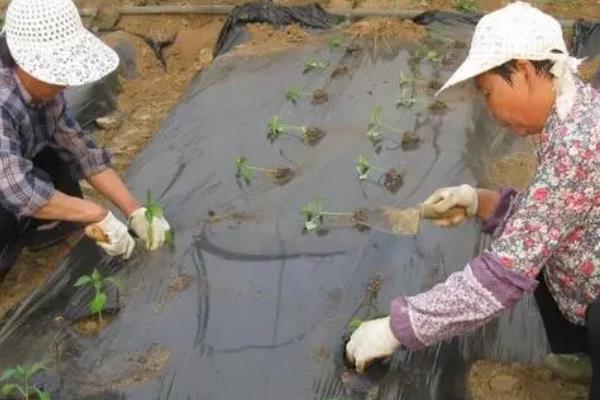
26, 128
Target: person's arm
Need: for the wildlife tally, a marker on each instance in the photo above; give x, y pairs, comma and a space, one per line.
63, 207
111, 186
553, 206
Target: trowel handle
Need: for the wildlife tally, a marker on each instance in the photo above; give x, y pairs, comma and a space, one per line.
428, 212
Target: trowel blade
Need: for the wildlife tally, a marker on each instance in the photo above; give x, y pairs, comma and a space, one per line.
394, 220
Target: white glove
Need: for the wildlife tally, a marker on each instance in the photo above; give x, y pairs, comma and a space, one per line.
371, 341
120, 242
445, 199
152, 233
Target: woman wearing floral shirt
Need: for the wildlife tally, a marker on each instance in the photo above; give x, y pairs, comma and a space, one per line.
547, 239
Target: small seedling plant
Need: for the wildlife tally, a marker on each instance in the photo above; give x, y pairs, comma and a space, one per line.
364, 168
245, 172
18, 380
314, 215
294, 95
377, 128
313, 64
98, 303
276, 128
154, 210
336, 42
410, 79
408, 99
425, 54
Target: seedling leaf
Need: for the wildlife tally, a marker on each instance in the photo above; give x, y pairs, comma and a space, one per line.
96, 275
243, 171
41, 395
8, 388
83, 280
98, 303
313, 214
274, 128
293, 95
36, 367
313, 64
335, 42
169, 236
8, 374
363, 167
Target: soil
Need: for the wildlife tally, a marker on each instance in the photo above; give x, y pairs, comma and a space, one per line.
410, 140
488, 380
178, 284
313, 135
438, 108
266, 39
359, 217
92, 326
282, 175
319, 97
434, 85
338, 71
393, 180
377, 28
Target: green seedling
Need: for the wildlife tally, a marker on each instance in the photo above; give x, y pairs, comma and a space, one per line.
410, 79
276, 128
377, 127
293, 95
364, 167
466, 5
245, 172
154, 210
314, 215
423, 53
408, 100
315, 64
18, 380
98, 303
336, 42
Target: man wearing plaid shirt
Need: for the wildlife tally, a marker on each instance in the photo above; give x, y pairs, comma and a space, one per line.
43, 152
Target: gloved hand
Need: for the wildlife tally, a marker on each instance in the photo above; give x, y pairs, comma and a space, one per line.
371, 341
151, 229
447, 198
116, 241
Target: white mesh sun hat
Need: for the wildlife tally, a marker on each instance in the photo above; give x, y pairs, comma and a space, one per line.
48, 41
522, 32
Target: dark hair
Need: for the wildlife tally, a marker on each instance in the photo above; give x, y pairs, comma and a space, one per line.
507, 69
5, 57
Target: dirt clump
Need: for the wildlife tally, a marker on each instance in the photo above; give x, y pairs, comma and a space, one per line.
392, 180
313, 135
359, 217
438, 107
490, 380
179, 283
282, 175
338, 71
410, 140
386, 28
319, 97
434, 85
92, 325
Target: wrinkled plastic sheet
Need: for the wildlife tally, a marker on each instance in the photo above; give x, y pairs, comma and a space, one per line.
266, 308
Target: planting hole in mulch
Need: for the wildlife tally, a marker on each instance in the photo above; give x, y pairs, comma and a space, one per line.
360, 218
319, 97
314, 135
393, 180
92, 325
338, 71
282, 175
438, 108
410, 140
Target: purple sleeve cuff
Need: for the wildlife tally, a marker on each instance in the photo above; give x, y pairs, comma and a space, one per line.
491, 224
401, 326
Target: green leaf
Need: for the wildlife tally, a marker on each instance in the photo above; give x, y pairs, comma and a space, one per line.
96, 277
293, 95
363, 167
41, 395
36, 367
354, 324
8, 389
8, 374
83, 280
149, 215
274, 128
169, 236
98, 303
21, 371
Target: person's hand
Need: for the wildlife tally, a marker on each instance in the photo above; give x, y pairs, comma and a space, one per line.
445, 199
152, 229
114, 237
371, 341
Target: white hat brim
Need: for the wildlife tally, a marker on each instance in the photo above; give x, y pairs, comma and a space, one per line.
469, 69
87, 61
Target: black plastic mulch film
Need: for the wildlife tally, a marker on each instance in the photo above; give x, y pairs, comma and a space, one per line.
245, 305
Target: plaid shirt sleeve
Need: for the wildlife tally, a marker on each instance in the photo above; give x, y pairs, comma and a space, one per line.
21, 192
88, 158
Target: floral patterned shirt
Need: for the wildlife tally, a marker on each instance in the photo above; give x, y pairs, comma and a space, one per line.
554, 226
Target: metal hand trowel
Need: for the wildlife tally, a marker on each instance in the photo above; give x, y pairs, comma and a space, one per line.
405, 221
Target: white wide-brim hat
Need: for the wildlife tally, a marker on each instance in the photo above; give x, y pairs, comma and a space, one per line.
518, 31
47, 40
